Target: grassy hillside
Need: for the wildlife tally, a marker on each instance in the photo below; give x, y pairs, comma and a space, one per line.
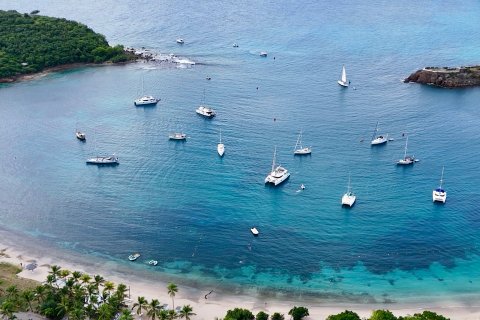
29, 43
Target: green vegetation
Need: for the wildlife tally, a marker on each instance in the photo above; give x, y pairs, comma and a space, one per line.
30, 43
261, 316
239, 314
298, 313
345, 315
76, 296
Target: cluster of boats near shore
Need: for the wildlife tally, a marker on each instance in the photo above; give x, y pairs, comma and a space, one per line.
278, 174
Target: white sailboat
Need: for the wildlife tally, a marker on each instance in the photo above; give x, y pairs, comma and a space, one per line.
220, 146
145, 100
407, 159
343, 81
378, 139
278, 173
299, 149
349, 197
439, 194
102, 160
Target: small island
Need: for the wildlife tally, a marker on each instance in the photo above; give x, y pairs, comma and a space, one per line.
447, 77
31, 43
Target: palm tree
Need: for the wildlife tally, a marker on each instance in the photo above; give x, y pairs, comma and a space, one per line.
55, 271
40, 293
105, 312
28, 296
172, 289
85, 278
98, 280
141, 304
7, 309
121, 292
126, 315
186, 312
108, 287
172, 314
12, 292
154, 309
163, 315
76, 275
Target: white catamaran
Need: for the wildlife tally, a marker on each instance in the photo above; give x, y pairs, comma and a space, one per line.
145, 100
439, 194
349, 197
299, 149
278, 173
343, 81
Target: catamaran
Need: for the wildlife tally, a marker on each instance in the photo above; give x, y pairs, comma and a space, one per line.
378, 139
205, 110
299, 149
278, 173
220, 146
349, 197
343, 81
145, 100
407, 159
439, 194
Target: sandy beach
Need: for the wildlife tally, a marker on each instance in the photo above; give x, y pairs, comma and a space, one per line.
21, 250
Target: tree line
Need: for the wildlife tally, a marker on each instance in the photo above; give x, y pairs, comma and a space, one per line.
30, 42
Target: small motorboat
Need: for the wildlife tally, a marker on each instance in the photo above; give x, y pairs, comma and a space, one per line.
302, 187
80, 136
153, 262
177, 136
209, 78
134, 256
180, 41
254, 231
263, 54
235, 45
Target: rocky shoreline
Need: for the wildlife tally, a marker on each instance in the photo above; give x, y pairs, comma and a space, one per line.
447, 77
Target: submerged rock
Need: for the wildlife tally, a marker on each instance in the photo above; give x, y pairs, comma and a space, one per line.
447, 77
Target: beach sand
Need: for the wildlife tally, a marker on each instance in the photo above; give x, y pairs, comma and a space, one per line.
19, 249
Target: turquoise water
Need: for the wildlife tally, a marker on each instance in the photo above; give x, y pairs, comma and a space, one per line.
184, 206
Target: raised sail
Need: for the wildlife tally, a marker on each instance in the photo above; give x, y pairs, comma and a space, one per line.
343, 81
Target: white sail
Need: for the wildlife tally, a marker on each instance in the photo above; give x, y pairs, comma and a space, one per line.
344, 75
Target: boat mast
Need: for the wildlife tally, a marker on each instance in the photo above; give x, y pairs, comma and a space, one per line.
375, 132
344, 75
274, 155
220, 136
348, 188
299, 140
405, 154
441, 178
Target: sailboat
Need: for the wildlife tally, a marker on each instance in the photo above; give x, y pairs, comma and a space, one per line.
102, 160
343, 81
220, 146
299, 149
349, 197
407, 159
378, 139
439, 194
278, 173
145, 100
205, 110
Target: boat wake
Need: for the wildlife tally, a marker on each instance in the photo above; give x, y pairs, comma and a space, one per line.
163, 58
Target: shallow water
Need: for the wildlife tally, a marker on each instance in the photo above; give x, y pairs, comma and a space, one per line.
184, 206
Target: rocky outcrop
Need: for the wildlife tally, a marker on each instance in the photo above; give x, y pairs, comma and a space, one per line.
447, 77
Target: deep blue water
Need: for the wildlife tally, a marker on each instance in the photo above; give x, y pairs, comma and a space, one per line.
183, 205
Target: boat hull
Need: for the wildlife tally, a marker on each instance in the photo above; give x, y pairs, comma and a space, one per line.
144, 104
220, 149
348, 200
439, 196
343, 84
103, 161
379, 141
304, 151
276, 181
